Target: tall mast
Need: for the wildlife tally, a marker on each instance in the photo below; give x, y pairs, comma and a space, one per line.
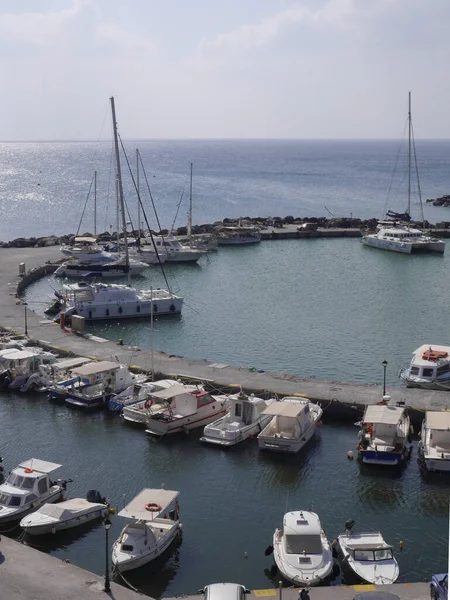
120, 187
409, 153
189, 227
139, 198
95, 203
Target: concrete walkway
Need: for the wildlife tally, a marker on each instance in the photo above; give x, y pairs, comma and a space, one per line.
335, 395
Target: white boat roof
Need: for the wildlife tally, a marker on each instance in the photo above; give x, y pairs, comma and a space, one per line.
285, 409
90, 240
96, 367
365, 541
175, 390
418, 360
388, 415
38, 465
14, 354
301, 522
70, 363
439, 420
136, 508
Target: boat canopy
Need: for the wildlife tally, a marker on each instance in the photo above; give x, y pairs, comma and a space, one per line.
438, 420
158, 497
14, 354
69, 363
285, 409
175, 390
40, 466
388, 415
96, 368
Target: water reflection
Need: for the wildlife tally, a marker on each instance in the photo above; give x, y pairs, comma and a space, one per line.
61, 540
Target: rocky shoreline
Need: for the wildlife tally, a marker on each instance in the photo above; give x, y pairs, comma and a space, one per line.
442, 201
261, 222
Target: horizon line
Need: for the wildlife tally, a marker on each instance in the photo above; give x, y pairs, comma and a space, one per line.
218, 139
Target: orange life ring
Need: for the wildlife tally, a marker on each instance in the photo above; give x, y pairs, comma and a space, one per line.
28, 470
148, 403
153, 507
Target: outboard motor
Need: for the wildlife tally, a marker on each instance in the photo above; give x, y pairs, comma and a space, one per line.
95, 497
349, 526
5, 379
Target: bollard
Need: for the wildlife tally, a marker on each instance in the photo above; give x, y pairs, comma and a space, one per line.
62, 320
280, 585
21, 269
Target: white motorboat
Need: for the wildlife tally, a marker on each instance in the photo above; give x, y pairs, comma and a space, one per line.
184, 410
51, 518
93, 268
87, 249
27, 487
367, 556
434, 445
384, 434
140, 412
99, 301
149, 535
59, 374
105, 378
429, 368
396, 233
301, 549
174, 251
19, 368
293, 423
238, 236
136, 396
244, 419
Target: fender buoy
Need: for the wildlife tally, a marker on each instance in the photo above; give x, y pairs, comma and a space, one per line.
28, 470
148, 403
153, 507
172, 308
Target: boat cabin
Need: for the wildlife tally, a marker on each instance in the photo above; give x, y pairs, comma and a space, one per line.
24, 362
100, 293
430, 363
290, 419
26, 483
382, 427
182, 402
245, 409
438, 422
302, 535
104, 373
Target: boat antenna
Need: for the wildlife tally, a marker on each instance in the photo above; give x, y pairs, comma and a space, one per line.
120, 187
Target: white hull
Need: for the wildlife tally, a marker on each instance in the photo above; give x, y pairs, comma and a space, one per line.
284, 444
160, 428
229, 437
53, 527
128, 310
23, 512
374, 242
376, 572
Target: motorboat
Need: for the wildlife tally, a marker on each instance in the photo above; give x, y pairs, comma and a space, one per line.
301, 549
137, 394
184, 410
174, 251
140, 412
59, 374
149, 534
99, 301
434, 445
27, 487
119, 267
86, 248
50, 518
19, 368
384, 434
367, 556
293, 423
244, 419
396, 233
238, 236
105, 378
429, 368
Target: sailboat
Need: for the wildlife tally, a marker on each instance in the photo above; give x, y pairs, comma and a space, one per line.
106, 301
395, 233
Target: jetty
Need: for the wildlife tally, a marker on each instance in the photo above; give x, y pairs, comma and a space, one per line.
22, 266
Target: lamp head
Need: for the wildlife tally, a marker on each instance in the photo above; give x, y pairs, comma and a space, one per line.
384, 363
107, 523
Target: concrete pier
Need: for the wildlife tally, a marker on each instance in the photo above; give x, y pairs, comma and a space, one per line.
342, 399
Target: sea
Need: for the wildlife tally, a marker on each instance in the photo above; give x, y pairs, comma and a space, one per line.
327, 308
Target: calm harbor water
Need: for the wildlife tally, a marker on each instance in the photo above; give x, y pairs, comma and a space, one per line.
322, 308
231, 500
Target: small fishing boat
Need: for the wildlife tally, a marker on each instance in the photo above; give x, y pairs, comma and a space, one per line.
367, 556
105, 378
173, 250
244, 419
27, 487
184, 410
101, 301
140, 412
20, 368
384, 434
149, 534
434, 445
429, 368
301, 549
51, 518
293, 423
139, 397
238, 236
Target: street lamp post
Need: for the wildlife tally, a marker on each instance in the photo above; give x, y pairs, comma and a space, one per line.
107, 525
26, 319
384, 363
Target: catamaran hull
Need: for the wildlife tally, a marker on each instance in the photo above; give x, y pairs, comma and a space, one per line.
129, 310
401, 247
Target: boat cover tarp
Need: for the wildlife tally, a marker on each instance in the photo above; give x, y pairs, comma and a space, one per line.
175, 390
399, 216
136, 508
439, 420
64, 511
96, 367
286, 409
388, 415
40, 466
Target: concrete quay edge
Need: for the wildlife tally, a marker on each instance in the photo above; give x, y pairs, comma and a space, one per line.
343, 399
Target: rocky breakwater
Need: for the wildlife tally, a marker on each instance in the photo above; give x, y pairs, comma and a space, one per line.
442, 201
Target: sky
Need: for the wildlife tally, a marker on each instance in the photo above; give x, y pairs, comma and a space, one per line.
186, 69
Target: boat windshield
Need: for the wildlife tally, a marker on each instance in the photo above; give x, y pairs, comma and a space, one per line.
373, 555
7, 500
23, 483
299, 544
80, 295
